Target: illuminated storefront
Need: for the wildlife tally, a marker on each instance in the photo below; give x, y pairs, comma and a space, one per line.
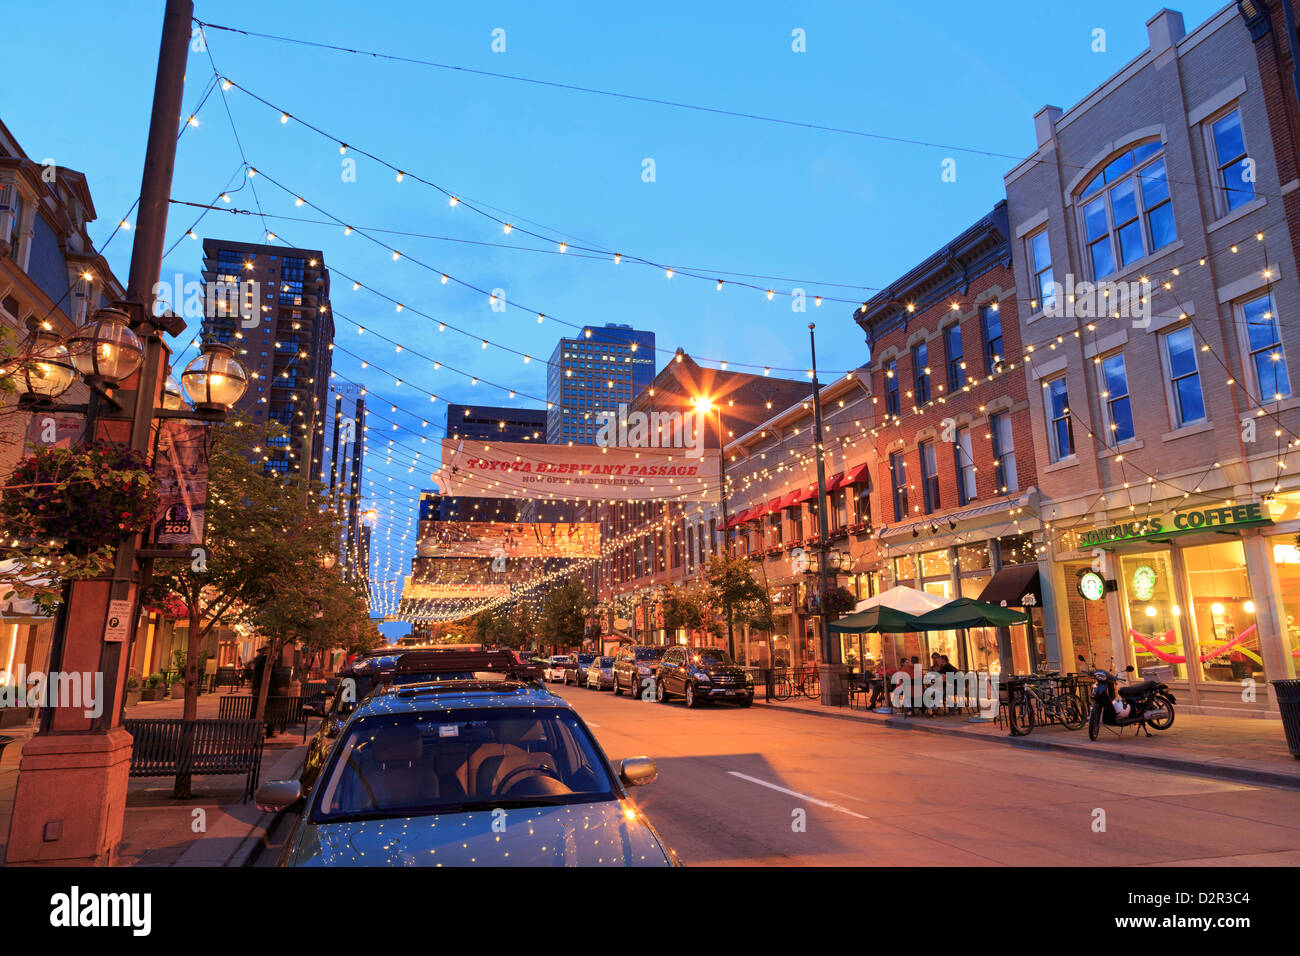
1204, 598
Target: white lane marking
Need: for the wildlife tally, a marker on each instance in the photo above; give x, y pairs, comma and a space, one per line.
795, 793
843, 794
590, 724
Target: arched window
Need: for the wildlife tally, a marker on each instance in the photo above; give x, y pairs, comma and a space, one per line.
1124, 210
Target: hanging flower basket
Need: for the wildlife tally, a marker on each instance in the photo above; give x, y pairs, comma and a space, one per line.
172, 606
92, 495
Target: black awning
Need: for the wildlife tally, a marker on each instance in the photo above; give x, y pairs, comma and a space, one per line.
1015, 586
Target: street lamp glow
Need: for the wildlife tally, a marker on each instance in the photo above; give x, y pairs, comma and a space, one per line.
703, 404
215, 379
106, 349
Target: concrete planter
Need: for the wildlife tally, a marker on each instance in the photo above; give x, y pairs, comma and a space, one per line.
133, 695
178, 690
152, 693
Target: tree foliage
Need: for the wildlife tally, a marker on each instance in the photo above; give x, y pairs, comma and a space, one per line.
563, 619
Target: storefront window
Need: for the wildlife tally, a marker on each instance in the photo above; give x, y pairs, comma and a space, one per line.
935, 563
1153, 614
1089, 627
1286, 561
905, 570
1017, 549
973, 557
1226, 636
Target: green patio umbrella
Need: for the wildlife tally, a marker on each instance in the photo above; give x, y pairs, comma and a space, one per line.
875, 620
963, 613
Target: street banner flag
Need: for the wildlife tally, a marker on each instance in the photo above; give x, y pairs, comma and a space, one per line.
182, 469
523, 470
509, 540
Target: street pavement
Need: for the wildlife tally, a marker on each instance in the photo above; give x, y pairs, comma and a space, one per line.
775, 787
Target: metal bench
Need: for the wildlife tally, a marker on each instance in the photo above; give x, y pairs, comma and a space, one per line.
281, 711
216, 747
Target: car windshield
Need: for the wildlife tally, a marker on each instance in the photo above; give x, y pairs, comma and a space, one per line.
421, 677
450, 761
711, 655
607, 662
648, 653
586, 658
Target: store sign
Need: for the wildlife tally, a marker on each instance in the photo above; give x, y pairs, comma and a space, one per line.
1144, 582
1092, 585
798, 561
1204, 519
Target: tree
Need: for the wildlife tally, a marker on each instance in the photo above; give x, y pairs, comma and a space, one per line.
731, 583
264, 537
563, 622
690, 607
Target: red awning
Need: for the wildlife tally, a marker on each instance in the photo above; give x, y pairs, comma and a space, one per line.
790, 500
738, 519
836, 482
807, 494
860, 475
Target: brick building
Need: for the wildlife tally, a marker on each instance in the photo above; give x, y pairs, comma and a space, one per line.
1157, 280
664, 542
948, 436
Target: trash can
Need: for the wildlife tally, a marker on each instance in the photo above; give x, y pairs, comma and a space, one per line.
1288, 702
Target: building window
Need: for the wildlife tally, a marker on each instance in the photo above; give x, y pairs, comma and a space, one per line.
1040, 265
1114, 390
1004, 453
864, 504
991, 326
1235, 179
929, 477
839, 505
952, 352
1060, 429
774, 530
921, 373
1267, 360
891, 387
898, 469
965, 465
1126, 210
1184, 377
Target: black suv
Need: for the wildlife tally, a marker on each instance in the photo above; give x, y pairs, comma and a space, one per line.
634, 666
702, 673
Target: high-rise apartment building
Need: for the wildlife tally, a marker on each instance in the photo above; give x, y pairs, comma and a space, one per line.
283, 340
601, 367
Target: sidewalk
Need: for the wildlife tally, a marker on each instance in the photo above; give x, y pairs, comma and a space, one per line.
216, 828
1243, 749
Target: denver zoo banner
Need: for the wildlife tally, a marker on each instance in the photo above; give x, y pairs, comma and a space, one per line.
181, 465
581, 472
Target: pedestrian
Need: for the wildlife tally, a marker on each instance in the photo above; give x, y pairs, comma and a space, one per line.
259, 667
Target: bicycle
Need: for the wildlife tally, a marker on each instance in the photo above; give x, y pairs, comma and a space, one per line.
1036, 704
802, 680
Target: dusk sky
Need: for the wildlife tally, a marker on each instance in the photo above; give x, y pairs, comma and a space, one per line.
833, 213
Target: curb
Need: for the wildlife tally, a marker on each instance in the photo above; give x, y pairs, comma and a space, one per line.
1199, 767
246, 853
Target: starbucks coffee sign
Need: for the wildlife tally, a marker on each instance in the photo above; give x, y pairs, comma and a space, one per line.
1225, 517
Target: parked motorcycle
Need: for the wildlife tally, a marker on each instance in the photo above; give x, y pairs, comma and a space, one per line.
1147, 705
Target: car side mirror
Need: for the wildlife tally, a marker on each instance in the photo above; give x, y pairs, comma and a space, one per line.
638, 771
333, 726
1081, 658
1129, 669
277, 795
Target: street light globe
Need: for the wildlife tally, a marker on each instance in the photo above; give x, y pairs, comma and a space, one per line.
47, 370
106, 350
215, 379
173, 398
703, 403
328, 560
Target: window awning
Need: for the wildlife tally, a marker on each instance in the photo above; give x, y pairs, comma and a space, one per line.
738, 519
807, 494
790, 500
759, 512
1015, 586
861, 475
835, 483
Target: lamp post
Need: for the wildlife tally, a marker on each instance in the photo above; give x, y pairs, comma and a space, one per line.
71, 792
702, 405
831, 666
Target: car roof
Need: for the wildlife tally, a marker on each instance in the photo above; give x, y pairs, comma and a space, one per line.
434, 696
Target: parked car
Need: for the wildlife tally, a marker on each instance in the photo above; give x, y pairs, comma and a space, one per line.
355, 683
422, 775
556, 664
635, 664
702, 673
600, 673
579, 673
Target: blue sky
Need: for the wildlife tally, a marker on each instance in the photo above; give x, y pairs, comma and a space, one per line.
818, 210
